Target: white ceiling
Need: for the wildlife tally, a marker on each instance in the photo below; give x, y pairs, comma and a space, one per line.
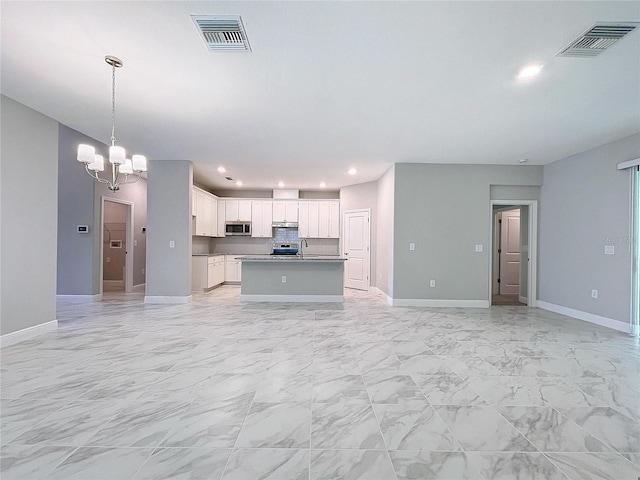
328, 85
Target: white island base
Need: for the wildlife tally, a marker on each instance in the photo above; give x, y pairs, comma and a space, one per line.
292, 279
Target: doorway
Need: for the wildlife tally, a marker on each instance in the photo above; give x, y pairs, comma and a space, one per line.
116, 266
356, 241
513, 252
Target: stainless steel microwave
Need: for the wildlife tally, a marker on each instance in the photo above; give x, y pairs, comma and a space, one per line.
237, 228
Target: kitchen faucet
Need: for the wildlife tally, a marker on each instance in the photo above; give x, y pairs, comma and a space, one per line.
303, 242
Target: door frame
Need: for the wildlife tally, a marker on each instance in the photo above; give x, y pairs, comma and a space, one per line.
532, 276
343, 237
128, 258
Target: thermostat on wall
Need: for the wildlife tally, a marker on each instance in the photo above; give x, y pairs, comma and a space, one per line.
83, 228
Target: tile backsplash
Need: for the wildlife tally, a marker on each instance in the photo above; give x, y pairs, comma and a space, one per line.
262, 246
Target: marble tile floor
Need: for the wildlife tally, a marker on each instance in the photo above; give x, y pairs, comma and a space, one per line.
218, 389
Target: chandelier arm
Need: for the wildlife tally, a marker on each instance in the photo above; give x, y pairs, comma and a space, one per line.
127, 182
95, 175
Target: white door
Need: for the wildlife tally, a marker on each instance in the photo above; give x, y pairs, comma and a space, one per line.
356, 241
510, 252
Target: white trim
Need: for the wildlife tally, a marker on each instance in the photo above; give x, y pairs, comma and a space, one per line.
292, 298
629, 164
533, 247
28, 333
428, 302
79, 298
167, 299
587, 317
377, 291
522, 299
141, 287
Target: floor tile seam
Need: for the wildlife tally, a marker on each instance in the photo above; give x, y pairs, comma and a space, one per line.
73, 450
379, 425
593, 434
557, 465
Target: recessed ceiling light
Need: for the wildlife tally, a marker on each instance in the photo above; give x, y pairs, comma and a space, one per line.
529, 71
352, 171
239, 183
322, 184
523, 160
281, 184
221, 169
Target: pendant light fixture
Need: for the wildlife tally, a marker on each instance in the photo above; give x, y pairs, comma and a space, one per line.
120, 165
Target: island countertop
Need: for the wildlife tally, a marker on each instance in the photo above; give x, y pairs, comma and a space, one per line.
291, 258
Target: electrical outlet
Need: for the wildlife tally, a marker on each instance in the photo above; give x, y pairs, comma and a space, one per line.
479, 248
172, 244
432, 283
594, 293
284, 279
609, 249
412, 246
108, 259
135, 243
143, 271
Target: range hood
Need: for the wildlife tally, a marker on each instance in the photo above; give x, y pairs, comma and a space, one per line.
285, 225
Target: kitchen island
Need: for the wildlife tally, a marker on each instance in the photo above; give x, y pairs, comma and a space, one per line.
274, 278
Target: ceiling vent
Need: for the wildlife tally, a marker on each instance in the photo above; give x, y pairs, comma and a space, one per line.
222, 32
597, 39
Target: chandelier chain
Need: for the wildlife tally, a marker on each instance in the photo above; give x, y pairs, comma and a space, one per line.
113, 104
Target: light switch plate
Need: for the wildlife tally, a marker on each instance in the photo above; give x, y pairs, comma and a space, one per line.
412, 246
594, 293
284, 279
609, 249
432, 283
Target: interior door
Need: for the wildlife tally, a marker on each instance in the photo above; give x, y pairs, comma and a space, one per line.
356, 242
510, 253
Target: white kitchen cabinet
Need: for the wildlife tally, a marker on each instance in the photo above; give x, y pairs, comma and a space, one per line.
220, 231
206, 213
203, 213
232, 269
237, 210
206, 272
261, 218
319, 219
285, 211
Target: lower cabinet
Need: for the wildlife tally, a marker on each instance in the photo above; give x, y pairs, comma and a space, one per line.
232, 269
206, 272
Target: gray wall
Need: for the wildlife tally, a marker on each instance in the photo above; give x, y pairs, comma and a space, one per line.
169, 219
79, 199
445, 211
360, 197
28, 208
585, 205
385, 232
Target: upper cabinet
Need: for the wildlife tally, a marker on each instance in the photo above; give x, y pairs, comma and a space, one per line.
285, 211
237, 210
261, 218
205, 206
319, 219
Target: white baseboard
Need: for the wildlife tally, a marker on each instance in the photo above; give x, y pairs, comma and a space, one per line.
27, 333
377, 291
292, 298
141, 287
587, 317
167, 299
522, 299
79, 298
427, 302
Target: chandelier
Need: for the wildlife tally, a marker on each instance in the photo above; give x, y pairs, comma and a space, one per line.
120, 165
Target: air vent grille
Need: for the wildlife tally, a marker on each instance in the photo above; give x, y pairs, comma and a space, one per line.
597, 39
222, 33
